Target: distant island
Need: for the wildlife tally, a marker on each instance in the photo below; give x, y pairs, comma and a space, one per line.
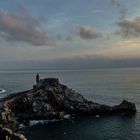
49, 100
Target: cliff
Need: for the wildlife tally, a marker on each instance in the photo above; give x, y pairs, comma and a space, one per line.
50, 99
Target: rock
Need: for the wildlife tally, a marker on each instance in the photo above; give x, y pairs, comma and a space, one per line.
7, 134
124, 107
16, 136
49, 99
61, 115
48, 81
72, 96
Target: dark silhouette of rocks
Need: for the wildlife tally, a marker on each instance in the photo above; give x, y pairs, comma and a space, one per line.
7, 134
37, 78
50, 100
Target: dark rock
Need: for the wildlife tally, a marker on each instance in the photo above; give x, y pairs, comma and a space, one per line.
51, 100
7, 134
48, 81
124, 107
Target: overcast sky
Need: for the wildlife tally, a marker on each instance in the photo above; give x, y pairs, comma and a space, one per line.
69, 33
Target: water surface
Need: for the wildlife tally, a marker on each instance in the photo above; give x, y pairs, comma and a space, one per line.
108, 86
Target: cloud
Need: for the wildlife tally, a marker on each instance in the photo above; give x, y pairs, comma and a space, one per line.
115, 2
86, 32
129, 28
22, 27
69, 38
79, 63
97, 11
66, 38
123, 12
122, 8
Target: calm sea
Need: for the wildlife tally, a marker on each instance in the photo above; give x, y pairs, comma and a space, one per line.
108, 86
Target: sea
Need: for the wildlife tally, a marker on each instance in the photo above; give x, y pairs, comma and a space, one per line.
106, 86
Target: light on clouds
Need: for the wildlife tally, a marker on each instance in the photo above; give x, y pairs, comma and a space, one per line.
98, 31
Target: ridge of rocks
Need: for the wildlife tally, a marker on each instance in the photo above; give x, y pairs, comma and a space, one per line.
49, 100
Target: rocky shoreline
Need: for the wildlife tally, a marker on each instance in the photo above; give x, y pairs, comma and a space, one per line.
50, 100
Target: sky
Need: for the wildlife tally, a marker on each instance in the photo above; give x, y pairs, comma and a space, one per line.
69, 34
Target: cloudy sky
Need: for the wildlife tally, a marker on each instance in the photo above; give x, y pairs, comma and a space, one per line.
69, 33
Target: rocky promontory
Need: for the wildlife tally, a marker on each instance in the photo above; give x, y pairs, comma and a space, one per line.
50, 100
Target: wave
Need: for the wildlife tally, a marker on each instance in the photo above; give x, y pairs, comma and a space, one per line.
36, 122
2, 90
